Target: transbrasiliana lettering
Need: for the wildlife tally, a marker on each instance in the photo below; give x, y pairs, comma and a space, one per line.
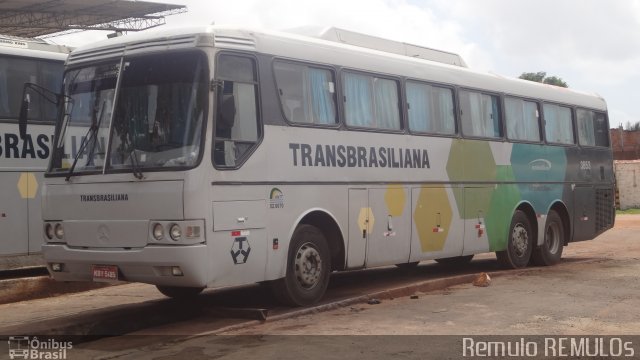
358, 156
104, 197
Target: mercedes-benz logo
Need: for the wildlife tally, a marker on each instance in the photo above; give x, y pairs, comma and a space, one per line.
103, 233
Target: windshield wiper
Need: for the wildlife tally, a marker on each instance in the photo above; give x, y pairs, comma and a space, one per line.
135, 165
131, 149
91, 135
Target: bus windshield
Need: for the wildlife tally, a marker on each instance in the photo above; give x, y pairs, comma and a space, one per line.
139, 113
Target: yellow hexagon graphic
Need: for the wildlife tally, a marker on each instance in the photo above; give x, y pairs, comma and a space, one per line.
27, 186
396, 199
366, 219
433, 216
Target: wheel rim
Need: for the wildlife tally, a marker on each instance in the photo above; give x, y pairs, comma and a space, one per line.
552, 237
308, 266
520, 240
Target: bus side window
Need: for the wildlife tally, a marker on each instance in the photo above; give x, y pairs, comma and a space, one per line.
522, 119
430, 108
593, 129
371, 102
307, 93
237, 123
480, 114
17, 72
558, 125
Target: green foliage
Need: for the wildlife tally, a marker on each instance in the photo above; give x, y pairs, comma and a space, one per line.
632, 127
541, 77
554, 80
628, 212
537, 77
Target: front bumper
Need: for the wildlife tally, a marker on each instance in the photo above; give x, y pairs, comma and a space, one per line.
150, 264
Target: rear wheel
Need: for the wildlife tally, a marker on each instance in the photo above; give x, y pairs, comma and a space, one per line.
455, 261
176, 292
308, 268
550, 252
519, 244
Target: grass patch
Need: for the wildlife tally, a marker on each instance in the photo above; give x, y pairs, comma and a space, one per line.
628, 212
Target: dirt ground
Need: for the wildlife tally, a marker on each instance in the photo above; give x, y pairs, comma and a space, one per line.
593, 292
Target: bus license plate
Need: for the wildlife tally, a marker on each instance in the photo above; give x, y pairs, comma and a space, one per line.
104, 273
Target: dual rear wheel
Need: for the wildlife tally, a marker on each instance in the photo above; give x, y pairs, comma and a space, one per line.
521, 249
550, 252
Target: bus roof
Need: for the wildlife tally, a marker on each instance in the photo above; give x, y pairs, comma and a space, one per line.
344, 36
317, 50
32, 48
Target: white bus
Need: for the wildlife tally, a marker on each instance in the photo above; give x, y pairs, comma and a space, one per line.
220, 157
23, 160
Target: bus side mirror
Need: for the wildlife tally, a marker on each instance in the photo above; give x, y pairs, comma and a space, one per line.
22, 117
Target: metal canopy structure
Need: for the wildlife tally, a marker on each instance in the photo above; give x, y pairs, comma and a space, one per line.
45, 18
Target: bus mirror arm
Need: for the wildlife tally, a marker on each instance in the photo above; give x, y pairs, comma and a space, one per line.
22, 117
45, 93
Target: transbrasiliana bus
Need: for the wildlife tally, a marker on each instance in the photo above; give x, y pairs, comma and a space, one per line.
23, 160
219, 157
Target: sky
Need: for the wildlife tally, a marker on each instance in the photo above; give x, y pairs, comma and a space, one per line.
593, 45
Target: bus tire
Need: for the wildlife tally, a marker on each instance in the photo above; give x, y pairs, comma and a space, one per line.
455, 261
177, 292
550, 252
520, 243
308, 268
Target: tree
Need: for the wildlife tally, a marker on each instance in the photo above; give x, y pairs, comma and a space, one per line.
633, 127
541, 77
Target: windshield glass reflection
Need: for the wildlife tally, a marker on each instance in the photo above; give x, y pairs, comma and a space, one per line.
156, 122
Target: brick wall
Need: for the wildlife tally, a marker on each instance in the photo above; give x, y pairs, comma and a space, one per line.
628, 183
625, 144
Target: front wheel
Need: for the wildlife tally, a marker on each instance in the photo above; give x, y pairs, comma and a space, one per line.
550, 252
308, 268
182, 293
519, 244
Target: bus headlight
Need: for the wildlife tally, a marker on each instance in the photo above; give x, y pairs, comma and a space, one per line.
158, 231
175, 232
48, 231
59, 231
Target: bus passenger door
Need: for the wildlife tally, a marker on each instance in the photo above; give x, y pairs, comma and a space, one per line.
13, 214
389, 238
477, 200
359, 212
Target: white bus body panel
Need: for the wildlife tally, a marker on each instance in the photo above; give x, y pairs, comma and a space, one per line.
379, 220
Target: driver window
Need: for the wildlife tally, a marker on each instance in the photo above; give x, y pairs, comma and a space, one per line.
237, 126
